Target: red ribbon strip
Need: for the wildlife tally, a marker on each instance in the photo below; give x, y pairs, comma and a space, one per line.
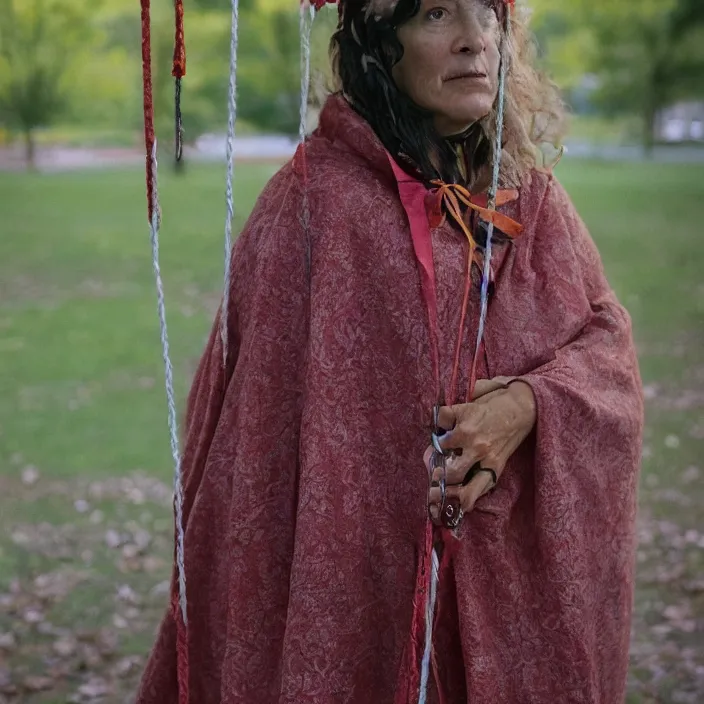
149, 137
179, 66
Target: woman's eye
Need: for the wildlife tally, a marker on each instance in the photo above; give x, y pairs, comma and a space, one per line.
436, 14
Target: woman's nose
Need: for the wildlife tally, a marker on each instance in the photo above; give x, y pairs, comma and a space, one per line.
471, 36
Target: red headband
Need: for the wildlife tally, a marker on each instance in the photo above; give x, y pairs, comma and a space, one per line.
319, 4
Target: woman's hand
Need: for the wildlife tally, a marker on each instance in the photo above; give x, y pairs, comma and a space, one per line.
487, 431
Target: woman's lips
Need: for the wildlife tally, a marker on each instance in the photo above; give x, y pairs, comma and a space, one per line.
467, 76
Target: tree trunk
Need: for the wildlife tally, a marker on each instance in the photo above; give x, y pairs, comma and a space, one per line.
655, 98
30, 149
649, 129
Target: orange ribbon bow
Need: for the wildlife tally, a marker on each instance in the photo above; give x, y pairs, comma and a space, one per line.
452, 196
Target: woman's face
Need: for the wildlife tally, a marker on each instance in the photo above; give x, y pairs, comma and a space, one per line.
450, 62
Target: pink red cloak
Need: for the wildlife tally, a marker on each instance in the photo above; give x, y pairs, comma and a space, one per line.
305, 489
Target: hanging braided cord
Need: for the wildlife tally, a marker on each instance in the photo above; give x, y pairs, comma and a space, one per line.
448, 196
178, 71
182, 648
307, 14
498, 148
170, 397
429, 613
229, 157
148, 106
306, 19
154, 212
179, 602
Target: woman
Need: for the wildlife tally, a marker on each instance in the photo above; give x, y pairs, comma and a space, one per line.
354, 310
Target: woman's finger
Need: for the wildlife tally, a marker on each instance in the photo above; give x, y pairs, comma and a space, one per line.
457, 466
483, 387
447, 417
469, 495
481, 483
435, 496
469, 434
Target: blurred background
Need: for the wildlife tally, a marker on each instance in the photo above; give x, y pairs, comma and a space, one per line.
85, 468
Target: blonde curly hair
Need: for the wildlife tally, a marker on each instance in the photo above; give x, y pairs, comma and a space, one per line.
535, 114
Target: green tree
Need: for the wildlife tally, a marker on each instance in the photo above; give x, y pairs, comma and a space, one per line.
39, 43
646, 54
269, 75
56, 63
564, 42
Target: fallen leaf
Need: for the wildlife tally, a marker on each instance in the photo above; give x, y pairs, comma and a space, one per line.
33, 616
650, 391
161, 589
692, 537
30, 475
46, 628
127, 594
65, 647
672, 442
37, 683
690, 475
5, 679
90, 656
132, 613
695, 587
57, 584
126, 666
107, 641
81, 505
113, 539
94, 688
151, 563
130, 551
9, 689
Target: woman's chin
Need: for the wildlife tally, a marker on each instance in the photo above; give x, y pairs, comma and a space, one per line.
464, 113
448, 125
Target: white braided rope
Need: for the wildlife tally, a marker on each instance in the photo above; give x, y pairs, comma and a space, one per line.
306, 19
498, 147
432, 594
229, 156
429, 615
169, 381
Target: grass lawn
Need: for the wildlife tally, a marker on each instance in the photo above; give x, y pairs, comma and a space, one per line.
85, 527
